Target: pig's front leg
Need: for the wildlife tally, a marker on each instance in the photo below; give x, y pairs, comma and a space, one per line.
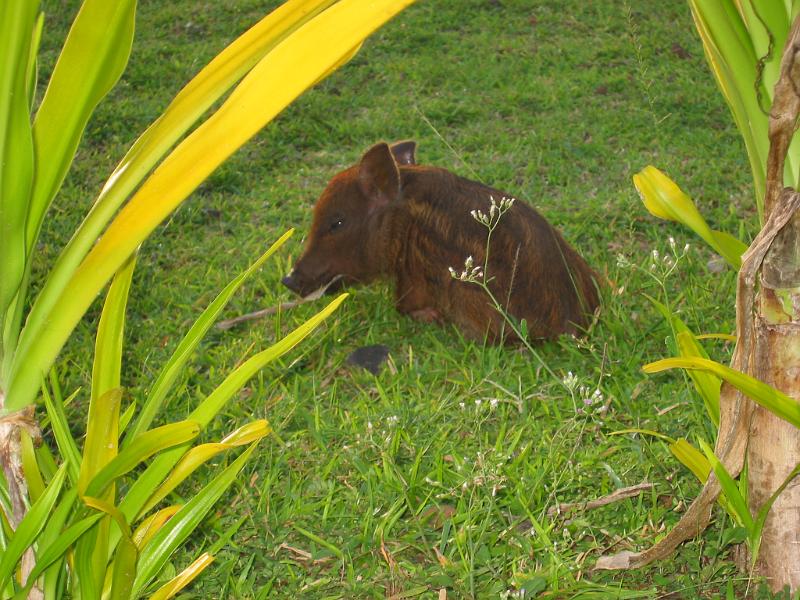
413, 299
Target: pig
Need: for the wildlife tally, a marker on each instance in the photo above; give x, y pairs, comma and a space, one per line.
389, 218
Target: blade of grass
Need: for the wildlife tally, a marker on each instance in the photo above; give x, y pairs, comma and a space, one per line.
661, 436
110, 332
184, 578
199, 455
318, 540
168, 374
95, 53
145, 446
156, 553
16, 161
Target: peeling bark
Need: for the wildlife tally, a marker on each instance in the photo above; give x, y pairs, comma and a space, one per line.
11, 463
774, 447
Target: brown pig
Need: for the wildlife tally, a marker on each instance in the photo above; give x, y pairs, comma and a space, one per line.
387, 217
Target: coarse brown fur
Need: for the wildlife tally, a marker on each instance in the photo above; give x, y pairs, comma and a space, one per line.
388, 217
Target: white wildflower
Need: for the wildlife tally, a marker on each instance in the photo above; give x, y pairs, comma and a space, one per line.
471, 273
570, 381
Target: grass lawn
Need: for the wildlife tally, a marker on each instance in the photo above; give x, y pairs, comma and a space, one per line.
439, 472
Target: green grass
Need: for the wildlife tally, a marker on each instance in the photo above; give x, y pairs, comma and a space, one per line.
438, 473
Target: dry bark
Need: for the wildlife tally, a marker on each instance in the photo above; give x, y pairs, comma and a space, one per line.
11, 462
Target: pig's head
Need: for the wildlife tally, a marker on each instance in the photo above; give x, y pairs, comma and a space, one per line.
337, 250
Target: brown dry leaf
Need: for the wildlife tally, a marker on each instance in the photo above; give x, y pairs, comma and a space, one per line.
387, 556
437, 515
301, 554
441, 557
664, 411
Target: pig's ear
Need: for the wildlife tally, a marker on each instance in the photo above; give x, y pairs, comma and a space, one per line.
403, 152
378, 175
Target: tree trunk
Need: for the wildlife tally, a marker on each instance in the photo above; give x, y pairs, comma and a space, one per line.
767, 348
774, 447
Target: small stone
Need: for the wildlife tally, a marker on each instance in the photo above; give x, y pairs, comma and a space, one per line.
716, 265
370, 358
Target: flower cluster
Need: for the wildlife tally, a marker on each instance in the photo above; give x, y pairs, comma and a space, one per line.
661, 265
491, 404
570, 381
377, 433
495, 212
587, 400
590, 399
486, 471
592, 403
664, 265
471, 273
623, 262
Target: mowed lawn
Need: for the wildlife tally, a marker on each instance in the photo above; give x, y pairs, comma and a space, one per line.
439, 472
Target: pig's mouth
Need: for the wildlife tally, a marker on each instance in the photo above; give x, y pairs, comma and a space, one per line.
333, 286
307, 290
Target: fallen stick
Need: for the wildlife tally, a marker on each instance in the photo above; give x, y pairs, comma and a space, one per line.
614, 496
265, 312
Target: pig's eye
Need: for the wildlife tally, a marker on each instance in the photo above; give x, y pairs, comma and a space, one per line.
336, 224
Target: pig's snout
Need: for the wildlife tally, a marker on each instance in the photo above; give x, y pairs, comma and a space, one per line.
290, 281
299, 281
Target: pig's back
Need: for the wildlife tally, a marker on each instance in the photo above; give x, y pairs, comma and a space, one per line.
535, 274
